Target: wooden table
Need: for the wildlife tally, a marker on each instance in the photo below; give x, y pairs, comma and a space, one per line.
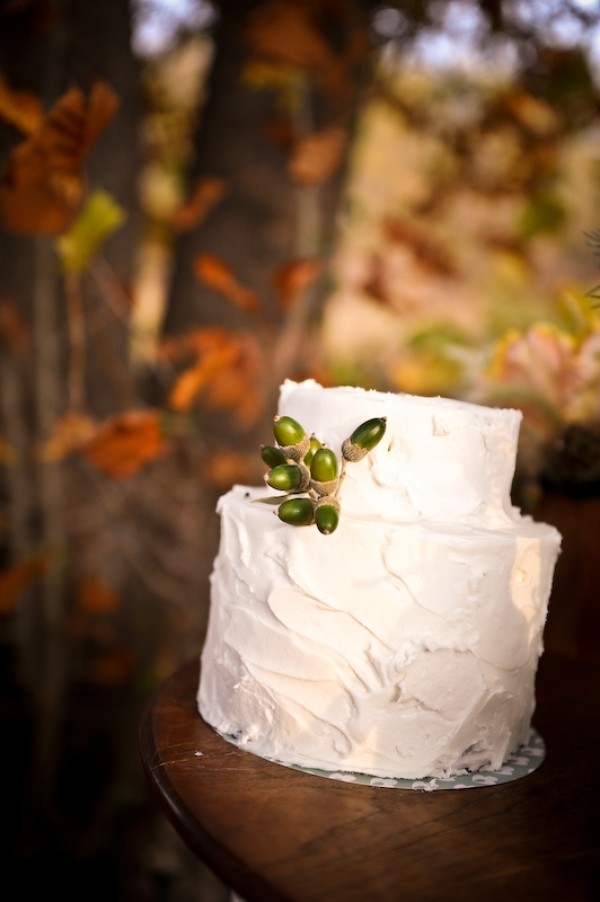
273, 833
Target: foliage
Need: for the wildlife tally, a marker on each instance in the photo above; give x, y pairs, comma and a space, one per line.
43, 185
465, 270
127, 488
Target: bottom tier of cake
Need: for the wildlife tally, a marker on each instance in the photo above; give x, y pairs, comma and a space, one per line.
397, 650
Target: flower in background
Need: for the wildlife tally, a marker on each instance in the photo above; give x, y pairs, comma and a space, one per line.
552, 373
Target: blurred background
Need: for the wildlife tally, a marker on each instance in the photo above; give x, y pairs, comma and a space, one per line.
198, 200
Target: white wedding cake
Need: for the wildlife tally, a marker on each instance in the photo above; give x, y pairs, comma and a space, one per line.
405, 643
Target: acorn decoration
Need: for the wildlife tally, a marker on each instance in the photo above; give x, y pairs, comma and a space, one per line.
324, 472
297, 511
310, 474
364, 438
327, 514
291, 437
272, 455
289, 477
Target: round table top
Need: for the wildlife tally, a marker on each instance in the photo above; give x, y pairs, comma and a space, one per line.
274, 833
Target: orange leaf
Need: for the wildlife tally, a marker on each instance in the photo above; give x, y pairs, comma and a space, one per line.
427, 251
213, 359
280, 132
289, 33
21, 108
13, 330
17, 578
93, 596
284, 31
205, 196
226, 371
42, 185
238, 386
234, 390
69, 433
189, 385
225, 467
8, 456
316, 158
217, 275
125, 443
534, 114
293, 278
102, 106
113, 668
376, 284
191, 343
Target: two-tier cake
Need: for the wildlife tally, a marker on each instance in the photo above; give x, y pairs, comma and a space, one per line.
405, 643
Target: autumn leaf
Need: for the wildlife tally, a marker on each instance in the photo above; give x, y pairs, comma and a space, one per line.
100, 217
279, 131
287, 81
113, 667
215, 273
424, 373
7, 452
20, 108
288, 33
70, 432
42, 184
224, 467
375, 284
236, 389
536, 115
191, 382
426, 250
14, 333
207, 193
94, 596
316, 158
293, 278
125, 443
225, 372
19, 577
212, 357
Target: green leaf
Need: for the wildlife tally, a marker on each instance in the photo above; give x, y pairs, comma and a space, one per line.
545, 214
100, 217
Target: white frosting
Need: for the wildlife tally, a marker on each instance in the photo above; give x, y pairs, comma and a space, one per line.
406, 643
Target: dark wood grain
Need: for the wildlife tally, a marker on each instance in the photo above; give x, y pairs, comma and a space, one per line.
272, 833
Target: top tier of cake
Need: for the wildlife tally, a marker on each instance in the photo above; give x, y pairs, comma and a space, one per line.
440, 459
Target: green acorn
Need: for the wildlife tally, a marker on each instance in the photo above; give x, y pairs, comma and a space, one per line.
324, 471
272, 456
285, 478
364, 438
297, 511
314, 445
291, 437
290, 477
327, 515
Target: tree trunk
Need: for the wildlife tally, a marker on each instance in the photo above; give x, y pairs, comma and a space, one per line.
83, 41
266, 219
